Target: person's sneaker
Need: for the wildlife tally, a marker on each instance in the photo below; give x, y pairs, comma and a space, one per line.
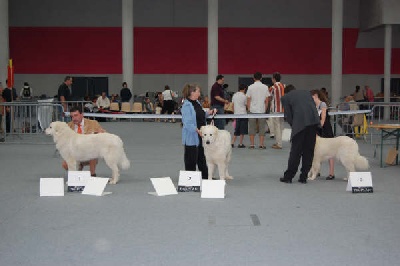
241, 146
251, 147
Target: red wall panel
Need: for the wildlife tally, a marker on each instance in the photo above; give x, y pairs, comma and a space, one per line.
66, 50
170, 50
184, 51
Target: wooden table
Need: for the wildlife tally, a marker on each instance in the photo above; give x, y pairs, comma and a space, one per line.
388, 130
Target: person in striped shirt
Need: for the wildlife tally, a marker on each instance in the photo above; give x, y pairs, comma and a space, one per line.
277, 91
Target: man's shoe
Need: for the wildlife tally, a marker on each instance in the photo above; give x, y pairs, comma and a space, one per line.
303, 181
241, 146
94, 175
284, 180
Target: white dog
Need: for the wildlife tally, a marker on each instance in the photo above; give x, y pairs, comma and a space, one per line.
75, 147
217, 149
342, 148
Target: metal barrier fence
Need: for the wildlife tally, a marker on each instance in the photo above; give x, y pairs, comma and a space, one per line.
27, 120
357, 125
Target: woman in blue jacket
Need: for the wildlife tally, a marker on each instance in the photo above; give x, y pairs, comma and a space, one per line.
193, 117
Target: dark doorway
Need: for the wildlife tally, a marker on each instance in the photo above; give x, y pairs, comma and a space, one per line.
88, 86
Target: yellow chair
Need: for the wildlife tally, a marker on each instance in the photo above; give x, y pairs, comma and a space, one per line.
114, 107
137, 107
126, 107
360, 125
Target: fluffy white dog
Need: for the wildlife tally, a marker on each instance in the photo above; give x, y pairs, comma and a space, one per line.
217, 149
343, 148
75, 147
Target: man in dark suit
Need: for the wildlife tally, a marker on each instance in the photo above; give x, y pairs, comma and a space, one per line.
302, 116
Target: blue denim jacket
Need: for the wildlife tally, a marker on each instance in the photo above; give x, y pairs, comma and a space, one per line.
189, 134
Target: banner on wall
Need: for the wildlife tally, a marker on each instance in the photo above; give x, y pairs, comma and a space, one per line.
10, 74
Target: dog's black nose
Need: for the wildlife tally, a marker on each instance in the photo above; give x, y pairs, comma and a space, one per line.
207, 142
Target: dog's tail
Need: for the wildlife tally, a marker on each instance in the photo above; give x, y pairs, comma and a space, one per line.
125, 163
361, 162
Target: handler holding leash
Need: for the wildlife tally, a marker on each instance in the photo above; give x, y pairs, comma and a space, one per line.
193, 117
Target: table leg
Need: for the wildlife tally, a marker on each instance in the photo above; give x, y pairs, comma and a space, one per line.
381, 147
397, 133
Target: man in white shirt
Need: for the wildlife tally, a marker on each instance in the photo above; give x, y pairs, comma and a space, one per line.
239, 101
103, 102
257, 101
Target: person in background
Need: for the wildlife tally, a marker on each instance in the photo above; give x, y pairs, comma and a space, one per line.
239, 101
26, 91
277, 91
103, 102
369, 94
302, 116
168, 105
1, 108
193, 117
257, 102
206, 102
126, 93
218, 101
9, 95
64, 92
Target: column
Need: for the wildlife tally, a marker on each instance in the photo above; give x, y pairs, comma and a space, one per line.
337, 31
387, 69
127, 43
212, 42
4, 41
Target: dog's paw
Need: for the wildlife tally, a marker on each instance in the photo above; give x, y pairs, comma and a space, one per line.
112, 181
228, 177
345, 178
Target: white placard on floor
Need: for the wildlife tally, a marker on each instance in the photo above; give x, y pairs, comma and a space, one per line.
77, 180
51, 187
95, 186
163, 186
189, 181
360, 182
213, 189
286, 132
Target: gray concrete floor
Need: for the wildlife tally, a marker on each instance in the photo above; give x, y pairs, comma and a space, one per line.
260, 222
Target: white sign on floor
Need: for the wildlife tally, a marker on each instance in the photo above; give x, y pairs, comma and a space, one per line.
163, 186
51, 187
360, 182
95, 186
189, 181
213, 189
77, 180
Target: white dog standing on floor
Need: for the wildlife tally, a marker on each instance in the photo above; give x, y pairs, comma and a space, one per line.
343, 148
75, 147
217, 149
